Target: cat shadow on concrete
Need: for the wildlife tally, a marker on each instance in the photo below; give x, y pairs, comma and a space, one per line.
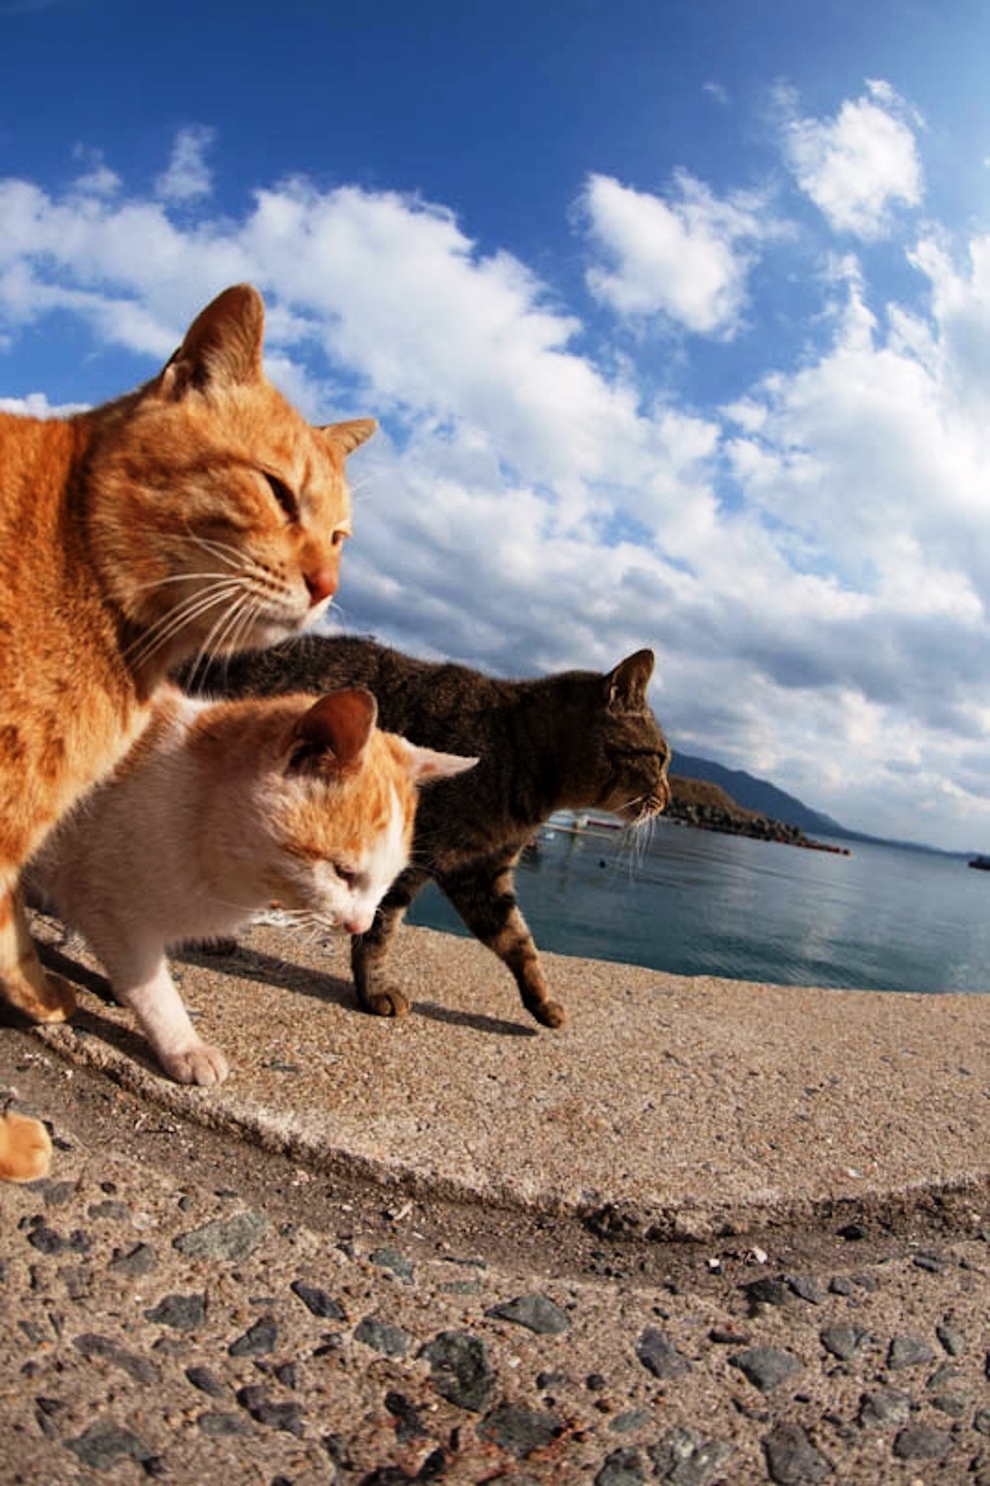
264, 969
493, 1025
243, 963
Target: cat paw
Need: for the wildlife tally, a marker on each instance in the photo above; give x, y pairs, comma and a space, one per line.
52, 1000
202, 1064
386, 1002
549, 1013
25, 1149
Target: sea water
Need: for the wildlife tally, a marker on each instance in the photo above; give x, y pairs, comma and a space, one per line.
701, 903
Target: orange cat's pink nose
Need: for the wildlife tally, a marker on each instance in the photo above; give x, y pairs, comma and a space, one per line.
322, 584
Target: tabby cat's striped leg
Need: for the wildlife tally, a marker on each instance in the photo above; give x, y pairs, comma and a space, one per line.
25, 1148
23, 983
369, 951
485, 898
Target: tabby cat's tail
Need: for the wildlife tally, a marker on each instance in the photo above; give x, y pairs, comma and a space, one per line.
25, 1148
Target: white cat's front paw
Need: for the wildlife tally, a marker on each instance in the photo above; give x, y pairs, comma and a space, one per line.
201, 1064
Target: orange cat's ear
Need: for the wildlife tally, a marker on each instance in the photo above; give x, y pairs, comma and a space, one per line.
222, 346
336, 728
426, 764
346, 437
626, 685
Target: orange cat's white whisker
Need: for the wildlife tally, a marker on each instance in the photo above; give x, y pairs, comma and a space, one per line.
235, 622
180, 578
241, 562
175, 620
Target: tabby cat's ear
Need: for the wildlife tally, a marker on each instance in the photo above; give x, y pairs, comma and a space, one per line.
626, 685
426, 764
346, 437
222, 346
336, 728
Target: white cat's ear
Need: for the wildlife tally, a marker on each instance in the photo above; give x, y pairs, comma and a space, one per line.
346, 437
426, 764
337, 727
222, 347
626, 685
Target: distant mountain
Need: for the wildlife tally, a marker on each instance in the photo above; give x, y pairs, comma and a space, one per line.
757, 794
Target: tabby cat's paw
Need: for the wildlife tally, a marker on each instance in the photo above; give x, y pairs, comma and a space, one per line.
202, 1064
25, 1149
53, 1000
549, 1013
389, 1001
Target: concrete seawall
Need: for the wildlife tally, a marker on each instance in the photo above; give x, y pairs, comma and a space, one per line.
688, 1106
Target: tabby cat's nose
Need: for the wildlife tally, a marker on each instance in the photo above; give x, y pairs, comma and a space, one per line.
321, 583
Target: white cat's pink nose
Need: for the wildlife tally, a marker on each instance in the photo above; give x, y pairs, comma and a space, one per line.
359, 924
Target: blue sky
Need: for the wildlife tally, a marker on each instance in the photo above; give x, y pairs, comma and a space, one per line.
676, 317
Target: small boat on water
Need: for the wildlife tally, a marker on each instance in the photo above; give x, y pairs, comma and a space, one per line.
981, 863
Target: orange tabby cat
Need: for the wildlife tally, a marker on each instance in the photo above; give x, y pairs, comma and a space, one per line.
25, 1148
198, 513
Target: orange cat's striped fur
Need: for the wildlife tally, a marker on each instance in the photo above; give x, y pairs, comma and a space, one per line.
198, 513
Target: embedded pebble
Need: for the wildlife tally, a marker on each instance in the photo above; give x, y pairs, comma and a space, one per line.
685, 1458
183, 1312
257, 1340
139, 1260
105, 1442
460, 1370
232, 1239
518, 1429
909, 1351
622, 1468
843, 1341
538, 1313
766, 1367
921, 1442
659, 1356
383, 1337
884, 1408
792, 1459
394, 1262
285, 1416
317, 1301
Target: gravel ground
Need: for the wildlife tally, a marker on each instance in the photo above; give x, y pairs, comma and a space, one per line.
180, 1301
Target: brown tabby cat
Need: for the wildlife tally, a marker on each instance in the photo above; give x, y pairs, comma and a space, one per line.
199, 512
575, 740
216, 810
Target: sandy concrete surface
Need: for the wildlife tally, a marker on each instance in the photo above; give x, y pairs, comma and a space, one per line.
708, 1232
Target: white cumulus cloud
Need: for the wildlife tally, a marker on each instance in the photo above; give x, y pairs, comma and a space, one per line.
683, 258
861, 165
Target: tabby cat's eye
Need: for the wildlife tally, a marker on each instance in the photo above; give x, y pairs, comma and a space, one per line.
346, 877
285, 497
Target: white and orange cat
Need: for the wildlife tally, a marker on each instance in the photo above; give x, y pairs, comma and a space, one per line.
218, 810
199, 513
